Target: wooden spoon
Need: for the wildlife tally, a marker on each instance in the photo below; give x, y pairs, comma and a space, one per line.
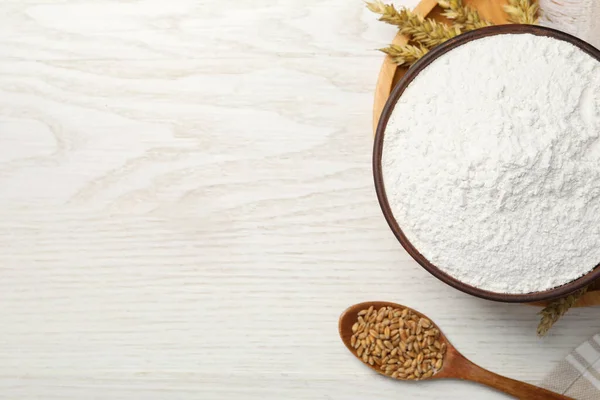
455, 365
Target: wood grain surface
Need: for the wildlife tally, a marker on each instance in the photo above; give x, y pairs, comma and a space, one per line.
187, 206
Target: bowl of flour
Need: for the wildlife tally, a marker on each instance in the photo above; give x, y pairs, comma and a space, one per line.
487, 163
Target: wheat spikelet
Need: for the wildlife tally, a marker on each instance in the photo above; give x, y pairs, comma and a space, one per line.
557, 309
522, 11
426, 31
406, 54
388, 13
466, 16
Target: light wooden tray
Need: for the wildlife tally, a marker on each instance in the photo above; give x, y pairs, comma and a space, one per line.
390, 74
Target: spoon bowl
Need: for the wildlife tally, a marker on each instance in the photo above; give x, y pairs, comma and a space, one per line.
350, 316
454, 365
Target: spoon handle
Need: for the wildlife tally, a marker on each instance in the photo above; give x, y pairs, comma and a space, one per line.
518, 389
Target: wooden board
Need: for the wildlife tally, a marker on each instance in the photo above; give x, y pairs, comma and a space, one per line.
390, 74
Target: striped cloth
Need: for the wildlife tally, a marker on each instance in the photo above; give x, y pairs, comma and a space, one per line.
578, 375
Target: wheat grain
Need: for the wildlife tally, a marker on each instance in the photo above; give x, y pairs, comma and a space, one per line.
402, 356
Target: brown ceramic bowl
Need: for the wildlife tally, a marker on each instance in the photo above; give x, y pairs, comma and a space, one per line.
378, 148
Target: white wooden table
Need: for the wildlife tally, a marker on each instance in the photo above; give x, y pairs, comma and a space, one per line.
187, 207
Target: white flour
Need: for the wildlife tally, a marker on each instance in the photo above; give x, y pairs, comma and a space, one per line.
491, 163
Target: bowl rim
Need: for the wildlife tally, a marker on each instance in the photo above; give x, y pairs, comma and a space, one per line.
412, 72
